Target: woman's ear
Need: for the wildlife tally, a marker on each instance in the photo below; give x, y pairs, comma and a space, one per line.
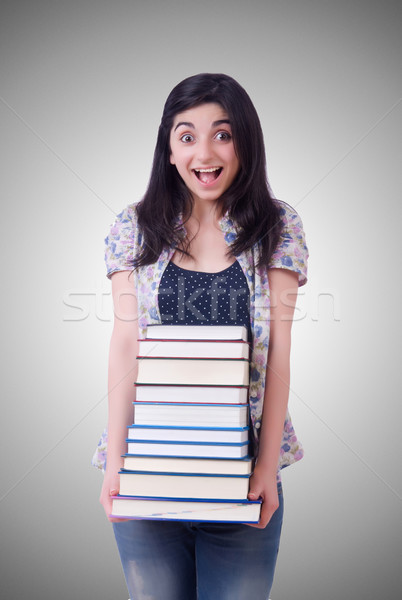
172, 162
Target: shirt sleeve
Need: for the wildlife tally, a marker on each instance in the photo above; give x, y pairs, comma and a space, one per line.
291, 252
119, 244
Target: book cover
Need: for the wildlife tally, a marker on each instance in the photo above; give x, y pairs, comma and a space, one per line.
197, 332
189, 393
183, 485
230, 435
169, 348
134, 507
201, 415
194, 371
188, 449
168, 464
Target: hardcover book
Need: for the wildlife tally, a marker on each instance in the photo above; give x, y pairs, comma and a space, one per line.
174, 464
194, 371
194, 415
204, 394
187, 449
183, 485
197, 332
185, 510
229, 435
195, 348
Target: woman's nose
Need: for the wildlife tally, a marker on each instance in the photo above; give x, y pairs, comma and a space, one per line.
204, 150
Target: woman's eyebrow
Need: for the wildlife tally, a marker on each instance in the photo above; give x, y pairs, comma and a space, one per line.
191, 125
221, 122
185, 123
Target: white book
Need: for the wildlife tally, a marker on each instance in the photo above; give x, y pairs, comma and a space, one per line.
185, 510
197, 332
194, 415
193, 348
173, 464
232, 435
184, 485
193, 371
188, 449
203, 394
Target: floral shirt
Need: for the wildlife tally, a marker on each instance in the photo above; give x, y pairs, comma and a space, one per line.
122, 244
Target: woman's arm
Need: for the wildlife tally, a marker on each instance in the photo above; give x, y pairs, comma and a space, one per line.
283, 288
122, 374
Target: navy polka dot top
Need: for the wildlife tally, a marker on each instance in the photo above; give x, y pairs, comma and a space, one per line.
196, 298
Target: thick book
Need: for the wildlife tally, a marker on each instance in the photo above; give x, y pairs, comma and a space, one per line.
195, 371
229, 435
173, 464
204, 394
193, 415
192, 486
195, 348
185, 510
187, 449
197, 332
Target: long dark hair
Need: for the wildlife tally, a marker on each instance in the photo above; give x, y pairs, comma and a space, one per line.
249, 200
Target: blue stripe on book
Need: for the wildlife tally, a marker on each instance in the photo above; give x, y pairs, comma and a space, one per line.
187, 443
169, 473
158, 517
206, 500
187, 499
203, 385
244, 458
180, 427
189, 358
188, 457
186, 404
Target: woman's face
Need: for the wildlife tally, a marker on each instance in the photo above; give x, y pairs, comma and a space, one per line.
203, 152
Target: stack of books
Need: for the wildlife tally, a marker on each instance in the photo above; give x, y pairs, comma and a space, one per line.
187, 455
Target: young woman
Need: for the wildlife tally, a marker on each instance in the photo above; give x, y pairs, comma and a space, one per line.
208, 219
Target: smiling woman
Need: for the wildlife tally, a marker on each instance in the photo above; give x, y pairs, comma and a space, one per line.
203, 151
248, 198
207, 243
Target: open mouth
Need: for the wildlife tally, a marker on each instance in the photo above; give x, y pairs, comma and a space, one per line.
208, 175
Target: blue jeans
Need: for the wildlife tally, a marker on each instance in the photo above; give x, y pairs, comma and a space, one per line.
171, 560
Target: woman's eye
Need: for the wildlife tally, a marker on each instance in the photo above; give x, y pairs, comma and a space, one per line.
223, 136
186, 138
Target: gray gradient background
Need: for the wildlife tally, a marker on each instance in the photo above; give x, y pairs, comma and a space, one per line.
82, 90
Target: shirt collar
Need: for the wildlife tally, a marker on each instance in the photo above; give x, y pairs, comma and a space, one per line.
226, 224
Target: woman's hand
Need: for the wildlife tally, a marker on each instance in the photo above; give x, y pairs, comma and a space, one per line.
263, 485
110, 488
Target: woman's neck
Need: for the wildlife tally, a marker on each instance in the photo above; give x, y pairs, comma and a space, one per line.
205, 213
